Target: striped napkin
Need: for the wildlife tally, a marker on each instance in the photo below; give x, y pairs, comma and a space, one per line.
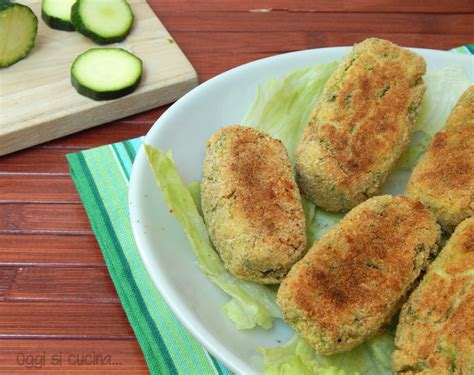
101, 176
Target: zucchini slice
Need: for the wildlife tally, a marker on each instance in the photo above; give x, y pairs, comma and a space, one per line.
104, 21
57, 14
18, 29
106, 73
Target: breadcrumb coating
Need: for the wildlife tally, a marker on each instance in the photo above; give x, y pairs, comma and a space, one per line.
353, 280
443, 180
251, 204
360, 125
436, 330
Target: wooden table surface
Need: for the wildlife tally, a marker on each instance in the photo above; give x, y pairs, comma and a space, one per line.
55, 292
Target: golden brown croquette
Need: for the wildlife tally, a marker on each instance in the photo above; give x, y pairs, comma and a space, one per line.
435, 334
251, 204
444, 178
360, 125
352, 281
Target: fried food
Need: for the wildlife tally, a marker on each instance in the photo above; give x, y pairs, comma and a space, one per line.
444, 178
251, 204
435, 334
352, 281
360, 125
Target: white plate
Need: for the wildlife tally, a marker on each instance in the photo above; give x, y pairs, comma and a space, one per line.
185, 128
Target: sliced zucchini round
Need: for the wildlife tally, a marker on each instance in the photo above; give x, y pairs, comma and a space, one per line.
104, 21
57, 14
106, 73
18, 29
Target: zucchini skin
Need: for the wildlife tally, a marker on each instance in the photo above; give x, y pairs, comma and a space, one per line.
104, 95
5, 4
57, 23
81, 27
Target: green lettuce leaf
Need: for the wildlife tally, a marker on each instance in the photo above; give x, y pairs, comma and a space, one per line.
252, 304
195, 191
282, 108
373, 357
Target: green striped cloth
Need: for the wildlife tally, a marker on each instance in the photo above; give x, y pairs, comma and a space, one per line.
101, 176
467, 49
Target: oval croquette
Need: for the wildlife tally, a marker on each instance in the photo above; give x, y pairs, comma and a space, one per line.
352, 281
444, 178
435, 334
360, 125
251, 204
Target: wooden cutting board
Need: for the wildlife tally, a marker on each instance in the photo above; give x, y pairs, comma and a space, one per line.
38, 103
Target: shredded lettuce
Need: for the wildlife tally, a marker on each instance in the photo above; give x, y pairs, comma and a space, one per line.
282, 108
323, 221
443, 89
373, 357
252, 304
274, 112
194, 189
310, 217
419, 143
318, 221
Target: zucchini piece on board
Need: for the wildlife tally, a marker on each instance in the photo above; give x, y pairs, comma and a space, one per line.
57, 14
18, 29
104, 21
106, 73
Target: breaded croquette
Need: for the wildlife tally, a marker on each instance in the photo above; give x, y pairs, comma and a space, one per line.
251, 204
435, 334
353, 280
360, 125
444, 178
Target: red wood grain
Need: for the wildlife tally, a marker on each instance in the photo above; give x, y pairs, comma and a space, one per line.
47, 189
117, 131
367, 6
36, 160
367, 23
88, 285
49, 250
201, 43
63, 320
43, 218
55, 292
